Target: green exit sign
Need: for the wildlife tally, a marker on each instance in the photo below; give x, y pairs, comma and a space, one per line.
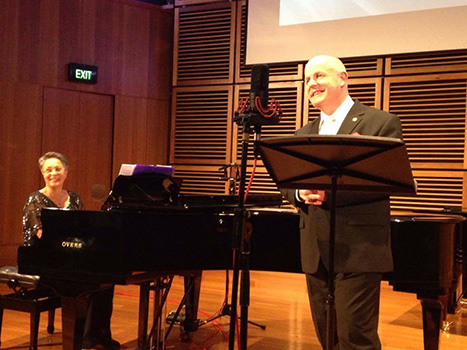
82, 73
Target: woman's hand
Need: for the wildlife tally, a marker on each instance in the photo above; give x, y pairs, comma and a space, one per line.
39, 233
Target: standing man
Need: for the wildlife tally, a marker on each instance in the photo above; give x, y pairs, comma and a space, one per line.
362, 248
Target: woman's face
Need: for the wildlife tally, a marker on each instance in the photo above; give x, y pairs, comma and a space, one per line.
54, 173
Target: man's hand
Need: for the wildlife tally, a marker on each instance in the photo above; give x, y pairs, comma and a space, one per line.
313, 197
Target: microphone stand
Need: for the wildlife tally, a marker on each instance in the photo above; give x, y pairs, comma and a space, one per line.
256, 115
226, 310
240, 246
330, 301
241, 242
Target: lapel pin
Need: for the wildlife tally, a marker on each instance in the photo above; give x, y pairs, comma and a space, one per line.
354, 119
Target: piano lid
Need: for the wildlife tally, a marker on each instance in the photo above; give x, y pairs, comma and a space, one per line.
151, 190
146, 188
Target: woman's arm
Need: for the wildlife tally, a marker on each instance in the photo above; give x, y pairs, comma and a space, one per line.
32, 225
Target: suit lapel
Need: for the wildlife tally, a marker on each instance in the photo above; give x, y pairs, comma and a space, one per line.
315, 126
353, 118
311, 128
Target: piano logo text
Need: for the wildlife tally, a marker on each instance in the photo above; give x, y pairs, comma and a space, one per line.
73, 244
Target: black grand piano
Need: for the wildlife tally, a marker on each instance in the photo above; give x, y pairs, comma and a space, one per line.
148, 231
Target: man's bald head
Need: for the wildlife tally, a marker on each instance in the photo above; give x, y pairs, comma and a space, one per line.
329, 61
326, 82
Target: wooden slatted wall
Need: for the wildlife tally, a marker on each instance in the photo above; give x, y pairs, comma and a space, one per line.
450, 61
427, 91
201, 179
205, 37
201, 127
432, 109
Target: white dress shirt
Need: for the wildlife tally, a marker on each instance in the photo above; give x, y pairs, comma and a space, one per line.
330, 124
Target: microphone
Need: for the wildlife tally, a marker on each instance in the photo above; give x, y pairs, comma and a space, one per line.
259, 86
254, 110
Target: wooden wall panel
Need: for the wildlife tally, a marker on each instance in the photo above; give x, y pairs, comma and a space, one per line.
79, 125
204, 44
130, 133
160, 56
262, 182
76, 25
430, 62
432, 109
289, 95
157, 145
51, 66
95, 153
363, 66
201, 180
201, 125
39, 39
20, 145
9, 22
436, 191
135, 35
141, 132
28, 50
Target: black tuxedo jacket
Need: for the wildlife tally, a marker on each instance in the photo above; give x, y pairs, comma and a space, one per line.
362, 219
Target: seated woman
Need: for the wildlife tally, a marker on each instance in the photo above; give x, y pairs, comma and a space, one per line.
54, 169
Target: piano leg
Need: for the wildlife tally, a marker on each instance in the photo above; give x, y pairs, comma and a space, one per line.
161, 286
433, 313
158, 338
74, 311
143, 315
191, 322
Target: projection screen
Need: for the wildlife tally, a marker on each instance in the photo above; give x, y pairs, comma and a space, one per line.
295, 30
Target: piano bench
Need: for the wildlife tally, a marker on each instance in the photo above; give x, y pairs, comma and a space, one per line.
28, 296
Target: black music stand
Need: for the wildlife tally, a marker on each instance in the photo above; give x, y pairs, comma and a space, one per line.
338, 162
